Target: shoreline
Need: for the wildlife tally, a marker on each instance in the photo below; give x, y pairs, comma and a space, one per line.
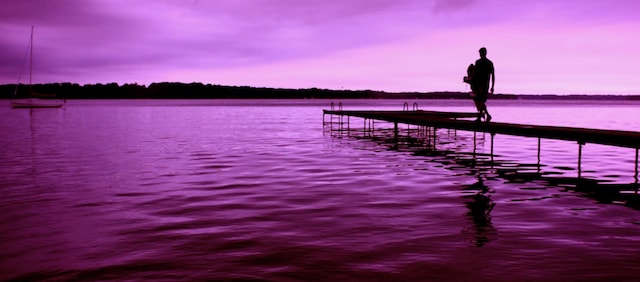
176, 90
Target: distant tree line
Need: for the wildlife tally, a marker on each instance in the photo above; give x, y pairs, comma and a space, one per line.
176, 90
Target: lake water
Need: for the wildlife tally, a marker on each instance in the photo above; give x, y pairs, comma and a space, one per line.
263, 190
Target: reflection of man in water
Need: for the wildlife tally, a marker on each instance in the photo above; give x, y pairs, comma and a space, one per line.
483, 72
480, 206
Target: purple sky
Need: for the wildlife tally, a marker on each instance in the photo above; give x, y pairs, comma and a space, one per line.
537, 46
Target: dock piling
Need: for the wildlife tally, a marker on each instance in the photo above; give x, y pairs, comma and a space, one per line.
539, 150
474, 143
434, 138
636, 175
580, 144
395, 130
492, 135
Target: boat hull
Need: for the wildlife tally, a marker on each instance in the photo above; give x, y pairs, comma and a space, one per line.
36, 103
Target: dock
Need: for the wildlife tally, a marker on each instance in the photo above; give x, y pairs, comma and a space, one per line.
466, 122
453, 120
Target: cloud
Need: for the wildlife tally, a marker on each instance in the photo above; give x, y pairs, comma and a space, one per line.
66, 31
142, 40
451, 5
213, 34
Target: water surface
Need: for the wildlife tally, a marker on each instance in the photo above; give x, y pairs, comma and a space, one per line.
262, 189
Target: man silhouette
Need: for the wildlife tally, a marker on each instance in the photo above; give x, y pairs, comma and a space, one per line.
483, 72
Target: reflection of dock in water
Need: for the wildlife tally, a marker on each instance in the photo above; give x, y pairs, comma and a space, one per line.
429, 122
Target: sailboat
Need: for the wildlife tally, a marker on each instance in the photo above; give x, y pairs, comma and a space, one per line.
35, 100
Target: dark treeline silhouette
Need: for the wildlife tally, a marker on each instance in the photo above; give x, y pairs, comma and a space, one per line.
176, 90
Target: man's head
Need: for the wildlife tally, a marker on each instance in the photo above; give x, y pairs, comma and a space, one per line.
483, 52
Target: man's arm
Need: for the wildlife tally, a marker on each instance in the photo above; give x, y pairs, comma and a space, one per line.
493, 80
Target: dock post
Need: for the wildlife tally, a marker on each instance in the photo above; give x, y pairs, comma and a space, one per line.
539, 168
427, 136
539, 151
492, 135
395, 130
580, 144
636, 176
434, 138
364, 126
474, 144
372, 124
341, 124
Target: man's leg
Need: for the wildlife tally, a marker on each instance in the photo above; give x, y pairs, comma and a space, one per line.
486, 111
478, 102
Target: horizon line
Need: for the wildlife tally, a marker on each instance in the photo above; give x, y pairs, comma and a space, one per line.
318, 88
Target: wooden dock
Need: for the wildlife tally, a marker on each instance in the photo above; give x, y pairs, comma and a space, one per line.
453, 120
466, 121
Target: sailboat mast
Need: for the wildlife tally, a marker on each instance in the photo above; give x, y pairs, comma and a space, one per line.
31, 58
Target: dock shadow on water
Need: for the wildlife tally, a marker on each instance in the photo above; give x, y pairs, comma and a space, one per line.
459, 149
